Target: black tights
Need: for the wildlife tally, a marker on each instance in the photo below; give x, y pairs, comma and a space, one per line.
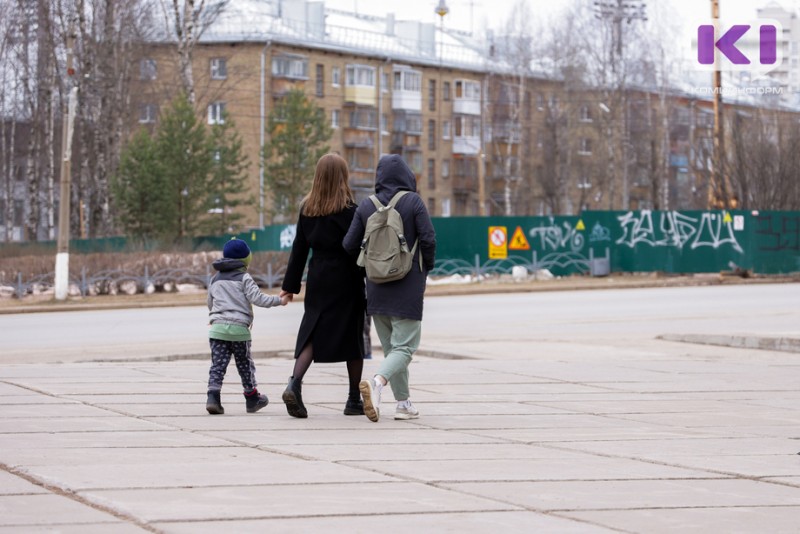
354, 369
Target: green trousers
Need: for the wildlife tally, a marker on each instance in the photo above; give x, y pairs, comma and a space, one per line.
399, 340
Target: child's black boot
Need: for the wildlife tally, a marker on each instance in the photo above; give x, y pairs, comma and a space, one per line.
255, 401
214, 404
293, 398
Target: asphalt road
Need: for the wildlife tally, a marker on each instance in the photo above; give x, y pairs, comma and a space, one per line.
469, 324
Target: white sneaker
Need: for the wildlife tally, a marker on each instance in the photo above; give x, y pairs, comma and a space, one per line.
371, 394
405, 410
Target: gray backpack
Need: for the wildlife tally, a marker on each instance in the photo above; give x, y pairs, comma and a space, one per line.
384, 250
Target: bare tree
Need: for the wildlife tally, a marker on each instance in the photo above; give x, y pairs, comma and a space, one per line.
188, 19
764, 160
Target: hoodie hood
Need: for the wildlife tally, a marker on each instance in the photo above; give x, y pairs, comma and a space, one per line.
393, 175
228, 264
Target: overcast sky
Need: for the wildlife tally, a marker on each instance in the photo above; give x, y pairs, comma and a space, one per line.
478, 13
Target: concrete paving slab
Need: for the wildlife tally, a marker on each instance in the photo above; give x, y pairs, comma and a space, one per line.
530, 469
23, 511
387, 433
11, 484
428, 451
127, 440
555, 496
117, 527
772, 519
464, 523
283, 501
755, 465
704, 446
35, 410
107, 422
200, 471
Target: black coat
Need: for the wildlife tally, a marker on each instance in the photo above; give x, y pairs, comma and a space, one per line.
334, 300
401, 298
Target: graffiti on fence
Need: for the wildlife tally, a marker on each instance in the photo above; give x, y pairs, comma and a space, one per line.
675, 229
555, 236
287, 236
599, 233
779, 232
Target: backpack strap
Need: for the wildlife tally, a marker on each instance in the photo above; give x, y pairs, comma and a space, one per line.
396, 198
392, 203
377, 202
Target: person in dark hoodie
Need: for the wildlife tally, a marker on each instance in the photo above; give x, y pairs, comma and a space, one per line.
396, 307
232, 293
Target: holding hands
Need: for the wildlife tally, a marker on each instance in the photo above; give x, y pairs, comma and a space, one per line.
286, 297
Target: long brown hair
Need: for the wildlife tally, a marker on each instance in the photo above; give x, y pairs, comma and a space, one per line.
330, 191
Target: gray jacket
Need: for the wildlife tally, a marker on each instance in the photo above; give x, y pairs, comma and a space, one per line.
232, 294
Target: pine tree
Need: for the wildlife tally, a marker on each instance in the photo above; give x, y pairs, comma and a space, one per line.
298, 133
185, 160
228, 180
137, 187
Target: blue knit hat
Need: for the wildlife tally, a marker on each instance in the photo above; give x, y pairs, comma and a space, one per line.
236, 249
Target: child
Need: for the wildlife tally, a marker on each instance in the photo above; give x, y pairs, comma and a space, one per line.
231, 295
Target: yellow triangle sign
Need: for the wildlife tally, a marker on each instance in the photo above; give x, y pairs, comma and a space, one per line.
580, 225
518, 240
727, 219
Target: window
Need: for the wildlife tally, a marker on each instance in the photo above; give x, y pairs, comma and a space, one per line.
147, 69
540, 101
468, 90
216, 113
431, 135
431, 174
362, 75
219, 68
320, 80
431, 206
584, 183
432, 95
585, 148
415, 162
445, 129
384, 123
363, 119
414, 124
445, 207
467, 126
290, 66
385, 82
335, 118
445, 168
147, 113
336, 76
446, 91
408, 80
585, 114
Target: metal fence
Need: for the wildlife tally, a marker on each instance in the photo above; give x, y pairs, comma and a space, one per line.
111, 281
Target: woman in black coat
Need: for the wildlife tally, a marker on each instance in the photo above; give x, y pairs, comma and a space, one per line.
333, 322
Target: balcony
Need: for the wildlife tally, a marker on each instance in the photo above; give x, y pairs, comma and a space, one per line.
465, 184
466, 145
467, 106
281, 86
406, 100
358, 139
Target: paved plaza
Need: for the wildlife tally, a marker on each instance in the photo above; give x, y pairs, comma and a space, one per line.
580, 432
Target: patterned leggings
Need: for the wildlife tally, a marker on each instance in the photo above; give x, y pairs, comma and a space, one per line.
221, 352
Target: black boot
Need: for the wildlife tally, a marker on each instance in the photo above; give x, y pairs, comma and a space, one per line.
354, 406
255, 401
214, 404
292, 397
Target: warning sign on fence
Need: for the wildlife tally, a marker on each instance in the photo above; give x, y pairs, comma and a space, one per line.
497, 243
518, 240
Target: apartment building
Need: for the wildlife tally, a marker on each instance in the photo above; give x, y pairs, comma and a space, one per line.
480, 140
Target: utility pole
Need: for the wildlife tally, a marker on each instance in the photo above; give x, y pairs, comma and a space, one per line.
62, 255
618, 11
718, 192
